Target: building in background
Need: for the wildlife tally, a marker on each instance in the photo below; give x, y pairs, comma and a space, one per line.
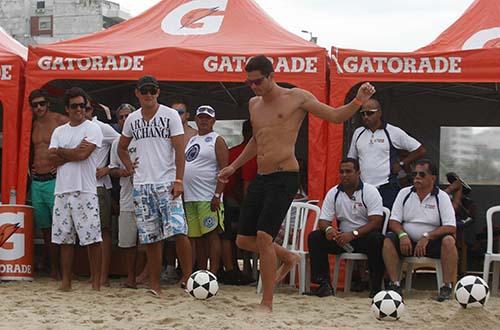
48, 21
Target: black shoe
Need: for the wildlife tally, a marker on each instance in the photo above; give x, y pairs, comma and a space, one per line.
324, 290
444, 293
395, 287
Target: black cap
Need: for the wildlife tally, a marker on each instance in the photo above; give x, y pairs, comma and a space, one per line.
147, 81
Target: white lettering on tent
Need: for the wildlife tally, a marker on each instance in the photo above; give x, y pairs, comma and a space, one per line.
94, 63
195, 17
481, 38
406, 64
294, 64
5, 72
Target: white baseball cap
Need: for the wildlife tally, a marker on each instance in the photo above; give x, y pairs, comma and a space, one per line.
205, 109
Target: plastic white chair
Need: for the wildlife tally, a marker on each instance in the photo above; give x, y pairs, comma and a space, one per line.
296, 231
412, 261
490, 257
350, 258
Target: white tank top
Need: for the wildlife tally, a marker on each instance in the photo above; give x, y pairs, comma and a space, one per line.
200, 173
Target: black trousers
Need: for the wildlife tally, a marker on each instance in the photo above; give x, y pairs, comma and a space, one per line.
320, 247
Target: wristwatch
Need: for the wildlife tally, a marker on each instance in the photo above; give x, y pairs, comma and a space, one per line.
355, 233
426, 235
217, 195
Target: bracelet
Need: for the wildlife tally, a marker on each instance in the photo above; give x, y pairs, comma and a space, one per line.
402, 234
178, 180
328, 229
357, 101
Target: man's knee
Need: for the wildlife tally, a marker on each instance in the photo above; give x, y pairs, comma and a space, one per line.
264, 239
388, 245
448, 243
314, 237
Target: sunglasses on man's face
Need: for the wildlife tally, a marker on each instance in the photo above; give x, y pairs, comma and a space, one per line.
181, 112
39, 103
123, 117
368, 113
74, 106
346, 171
421, 174
148, 90
256, 82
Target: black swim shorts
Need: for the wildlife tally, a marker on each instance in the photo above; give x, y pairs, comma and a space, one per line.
266, 203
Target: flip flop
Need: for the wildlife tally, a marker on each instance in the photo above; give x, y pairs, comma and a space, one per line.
153, 293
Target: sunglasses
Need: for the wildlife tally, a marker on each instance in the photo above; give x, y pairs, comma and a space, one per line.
368, 113
205, 110
181, 112
256, 82
40, 103
421, 174
346, 171
150, 90
123, 116
75, 106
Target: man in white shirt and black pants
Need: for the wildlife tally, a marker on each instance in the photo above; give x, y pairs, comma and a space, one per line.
357, 206
422, 225
76, 209
376, 146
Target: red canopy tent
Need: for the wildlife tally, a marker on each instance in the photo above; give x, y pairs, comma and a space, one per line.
176, 40
465, 53
12, 59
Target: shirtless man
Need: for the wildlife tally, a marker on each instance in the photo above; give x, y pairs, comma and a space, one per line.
276, 114
43, 172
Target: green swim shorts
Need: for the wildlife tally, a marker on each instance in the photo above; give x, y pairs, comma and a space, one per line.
42, 198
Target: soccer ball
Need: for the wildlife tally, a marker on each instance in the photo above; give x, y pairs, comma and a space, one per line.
202, 285
388, 305
472, 291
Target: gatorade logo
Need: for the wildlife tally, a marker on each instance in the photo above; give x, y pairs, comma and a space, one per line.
482, 38
11, 236
196, 17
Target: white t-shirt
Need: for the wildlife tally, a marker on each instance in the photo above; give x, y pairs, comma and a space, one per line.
109, 135
422, 217
200, 173
154, 146
126, 183
373, 151
80, 175
352, 213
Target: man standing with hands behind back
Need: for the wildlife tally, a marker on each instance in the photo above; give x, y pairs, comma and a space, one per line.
276, 114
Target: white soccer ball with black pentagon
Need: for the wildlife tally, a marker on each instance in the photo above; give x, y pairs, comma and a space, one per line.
388, 305
472, 291
202, 285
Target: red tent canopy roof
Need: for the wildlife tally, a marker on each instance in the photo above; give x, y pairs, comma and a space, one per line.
239, 25
478, 27
9, 46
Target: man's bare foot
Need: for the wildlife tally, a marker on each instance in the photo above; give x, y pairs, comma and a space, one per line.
65, 288
292, 260
129, 285
96, 287
264, 308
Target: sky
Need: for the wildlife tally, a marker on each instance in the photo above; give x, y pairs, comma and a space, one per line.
376, 25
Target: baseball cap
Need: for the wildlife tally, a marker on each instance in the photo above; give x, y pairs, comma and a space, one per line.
206, 109
147, 80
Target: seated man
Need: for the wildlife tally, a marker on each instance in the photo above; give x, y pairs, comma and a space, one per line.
423, 225
357, 206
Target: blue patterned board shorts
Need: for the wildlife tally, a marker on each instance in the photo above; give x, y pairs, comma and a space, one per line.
76, 213
158, 216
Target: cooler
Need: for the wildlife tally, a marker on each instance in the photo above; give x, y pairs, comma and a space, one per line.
16, 242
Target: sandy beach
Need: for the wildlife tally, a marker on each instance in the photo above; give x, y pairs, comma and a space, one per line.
38, 305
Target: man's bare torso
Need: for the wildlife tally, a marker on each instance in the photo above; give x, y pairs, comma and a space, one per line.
42, 132
276, 124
